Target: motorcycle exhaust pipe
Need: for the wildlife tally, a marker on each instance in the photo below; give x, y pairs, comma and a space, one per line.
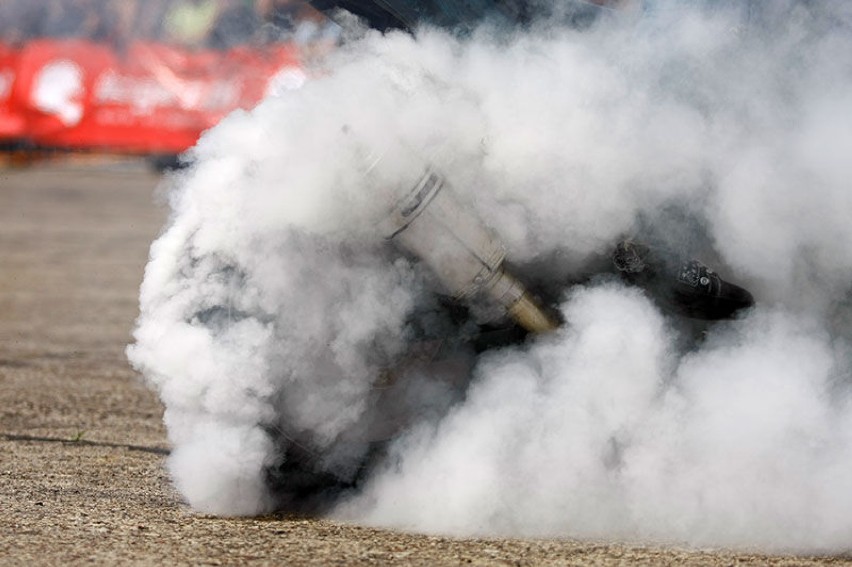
463, 253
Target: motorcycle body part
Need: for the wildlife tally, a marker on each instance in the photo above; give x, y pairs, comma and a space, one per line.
700, 293
456, 15
384, 15
464, 255
688, 287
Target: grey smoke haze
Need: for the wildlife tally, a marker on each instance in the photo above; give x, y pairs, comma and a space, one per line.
270, 297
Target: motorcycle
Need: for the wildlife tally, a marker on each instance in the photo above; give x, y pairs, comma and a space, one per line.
482, 300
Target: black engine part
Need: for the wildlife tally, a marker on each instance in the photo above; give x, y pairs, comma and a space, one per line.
686, 287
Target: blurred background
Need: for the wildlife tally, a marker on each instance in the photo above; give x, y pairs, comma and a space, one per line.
144, 77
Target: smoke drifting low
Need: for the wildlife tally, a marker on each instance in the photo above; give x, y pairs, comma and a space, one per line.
272, 302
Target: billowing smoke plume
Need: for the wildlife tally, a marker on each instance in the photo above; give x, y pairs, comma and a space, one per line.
272, 304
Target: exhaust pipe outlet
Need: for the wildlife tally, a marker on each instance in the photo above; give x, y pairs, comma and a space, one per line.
462, 252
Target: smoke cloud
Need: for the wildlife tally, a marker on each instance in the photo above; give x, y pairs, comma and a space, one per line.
272, 302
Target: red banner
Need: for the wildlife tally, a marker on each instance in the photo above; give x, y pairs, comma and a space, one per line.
12, 124
152, 98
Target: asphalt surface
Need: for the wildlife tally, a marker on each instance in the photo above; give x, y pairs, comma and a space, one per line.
82, 445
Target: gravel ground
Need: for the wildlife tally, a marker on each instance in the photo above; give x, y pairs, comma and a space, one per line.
81, 440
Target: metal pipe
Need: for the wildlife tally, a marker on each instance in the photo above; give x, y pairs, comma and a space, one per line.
462, 252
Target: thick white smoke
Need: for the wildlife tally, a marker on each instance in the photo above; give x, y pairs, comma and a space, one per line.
272, 303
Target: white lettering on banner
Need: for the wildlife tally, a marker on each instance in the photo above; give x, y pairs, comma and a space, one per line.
7, 77
286, 79
58, 89
146, 94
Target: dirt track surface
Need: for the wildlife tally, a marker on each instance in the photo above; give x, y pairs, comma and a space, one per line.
82, 446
